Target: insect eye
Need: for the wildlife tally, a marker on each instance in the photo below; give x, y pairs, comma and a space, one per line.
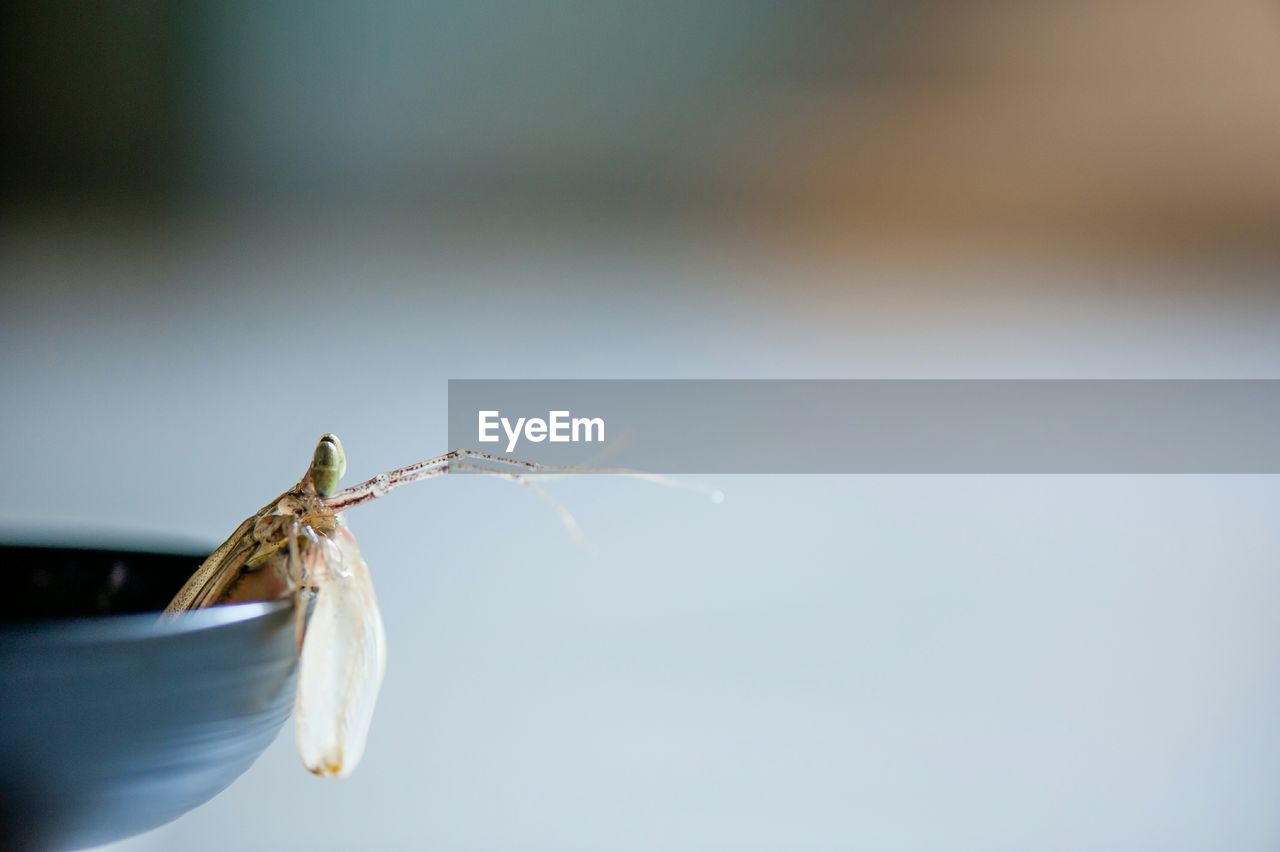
328, 465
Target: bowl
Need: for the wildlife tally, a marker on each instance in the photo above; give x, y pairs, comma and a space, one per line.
112, 721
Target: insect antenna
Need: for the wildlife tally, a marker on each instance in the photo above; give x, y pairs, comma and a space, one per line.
566, 517
475, 461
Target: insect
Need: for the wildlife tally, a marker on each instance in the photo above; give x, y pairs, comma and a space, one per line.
299, 545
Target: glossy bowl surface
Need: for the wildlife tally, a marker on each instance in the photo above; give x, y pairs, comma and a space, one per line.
113, 722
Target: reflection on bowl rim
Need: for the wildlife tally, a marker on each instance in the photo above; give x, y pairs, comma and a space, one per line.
139, 625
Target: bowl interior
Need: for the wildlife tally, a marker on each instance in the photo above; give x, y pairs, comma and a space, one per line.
113, 721
73, 582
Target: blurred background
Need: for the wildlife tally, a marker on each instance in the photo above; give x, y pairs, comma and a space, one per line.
226, 228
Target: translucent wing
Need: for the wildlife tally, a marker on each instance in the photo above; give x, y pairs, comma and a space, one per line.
343, 655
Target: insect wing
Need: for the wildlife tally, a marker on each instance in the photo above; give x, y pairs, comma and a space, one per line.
217, 573
343, 657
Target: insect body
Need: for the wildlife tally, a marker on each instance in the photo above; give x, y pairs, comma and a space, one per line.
299, 545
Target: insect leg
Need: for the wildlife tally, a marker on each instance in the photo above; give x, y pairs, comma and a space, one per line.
303, 596
372, 489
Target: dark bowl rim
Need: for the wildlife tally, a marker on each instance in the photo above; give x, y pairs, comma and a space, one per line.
130, 626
